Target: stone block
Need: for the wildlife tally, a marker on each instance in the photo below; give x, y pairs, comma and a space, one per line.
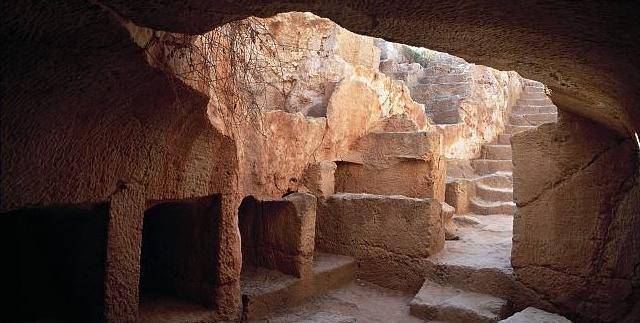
382, 233
534, 315
458, 193
319, 178
450, 228
279, 234
390, 163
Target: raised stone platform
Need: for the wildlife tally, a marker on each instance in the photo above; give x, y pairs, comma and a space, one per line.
394, 163
265, 291
385, 234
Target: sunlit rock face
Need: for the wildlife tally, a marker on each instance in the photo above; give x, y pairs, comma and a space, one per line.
587, 61
314, 89
310, 89
469, 103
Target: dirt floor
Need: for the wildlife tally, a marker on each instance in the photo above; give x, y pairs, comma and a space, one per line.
357, 302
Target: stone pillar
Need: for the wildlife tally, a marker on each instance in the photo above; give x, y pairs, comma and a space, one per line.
457, 194
228, 295
124, 238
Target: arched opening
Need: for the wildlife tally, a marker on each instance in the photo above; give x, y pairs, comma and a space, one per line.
575, 182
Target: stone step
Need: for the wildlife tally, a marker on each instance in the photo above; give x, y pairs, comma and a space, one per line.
497, 180
494, 194
533, 96
528, 82
541, 100
531, 109
502, 152
534, 315
535, 119
429, 85
451, 78
517, 129
265, 291
504, 139
444, 303
490, 166
533, 89
482, 207
480, 261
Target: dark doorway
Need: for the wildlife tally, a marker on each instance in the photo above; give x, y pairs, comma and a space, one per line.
180, 245
55, 258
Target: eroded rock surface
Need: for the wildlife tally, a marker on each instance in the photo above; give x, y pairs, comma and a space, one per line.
469, 103
394, 163
366, 227
585, 60
576, 187
88, 114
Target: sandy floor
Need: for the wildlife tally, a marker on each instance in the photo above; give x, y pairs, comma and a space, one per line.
486, 245
359, 301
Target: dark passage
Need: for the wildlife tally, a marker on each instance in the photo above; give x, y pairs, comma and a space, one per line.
180, 242
54, 260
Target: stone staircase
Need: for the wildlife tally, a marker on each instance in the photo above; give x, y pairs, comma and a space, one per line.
494, 187
378, 196
471, 280
440, 87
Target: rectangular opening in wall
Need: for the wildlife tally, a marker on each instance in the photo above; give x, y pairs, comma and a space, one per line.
180, 244
54, 259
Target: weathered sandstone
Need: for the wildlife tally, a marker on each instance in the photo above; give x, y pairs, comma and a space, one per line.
470, 103
366, 227
319, 178
574, 239
394, 163
279, 234
91, 122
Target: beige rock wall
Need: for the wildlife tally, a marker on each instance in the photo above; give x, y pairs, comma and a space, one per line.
576, 227
82, 110
326, 97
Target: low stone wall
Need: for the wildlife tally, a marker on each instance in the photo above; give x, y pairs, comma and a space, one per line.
279, 234
395, 163
385, 234
575, 231
409, 177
